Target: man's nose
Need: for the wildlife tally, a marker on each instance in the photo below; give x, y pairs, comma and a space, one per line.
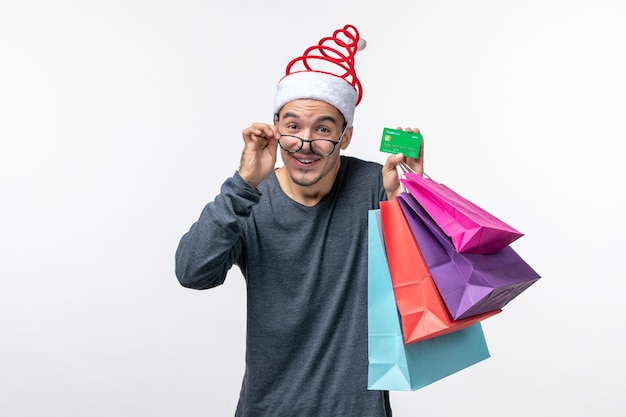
307, 134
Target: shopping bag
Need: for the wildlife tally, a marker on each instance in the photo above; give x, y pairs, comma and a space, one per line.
470, 284
422, 310
471, 228
392, 364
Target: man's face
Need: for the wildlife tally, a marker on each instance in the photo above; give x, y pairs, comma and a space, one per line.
312, 119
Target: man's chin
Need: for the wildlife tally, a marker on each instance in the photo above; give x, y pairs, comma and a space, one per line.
304, 180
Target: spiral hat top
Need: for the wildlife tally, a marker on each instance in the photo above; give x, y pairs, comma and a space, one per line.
325, 72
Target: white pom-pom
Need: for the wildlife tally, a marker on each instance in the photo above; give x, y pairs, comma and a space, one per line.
361, 44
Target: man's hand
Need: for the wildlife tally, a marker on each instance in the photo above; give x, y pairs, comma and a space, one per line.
258, 158
390, 174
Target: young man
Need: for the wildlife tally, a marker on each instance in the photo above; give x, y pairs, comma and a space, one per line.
299, 235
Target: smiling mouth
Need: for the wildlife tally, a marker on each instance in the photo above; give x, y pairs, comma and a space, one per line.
306, 160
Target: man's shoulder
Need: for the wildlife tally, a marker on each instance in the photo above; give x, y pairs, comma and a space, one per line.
354, 163
359, 174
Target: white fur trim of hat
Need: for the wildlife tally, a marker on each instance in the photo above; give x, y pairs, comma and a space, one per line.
318, 86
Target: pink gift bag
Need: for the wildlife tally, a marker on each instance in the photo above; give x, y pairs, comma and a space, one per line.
471, 228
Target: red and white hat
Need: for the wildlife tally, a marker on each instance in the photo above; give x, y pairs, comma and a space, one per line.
325, 72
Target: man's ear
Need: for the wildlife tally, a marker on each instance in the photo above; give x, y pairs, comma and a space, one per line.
275, 119
347, 136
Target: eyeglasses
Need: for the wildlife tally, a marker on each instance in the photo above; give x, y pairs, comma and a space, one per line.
320, 147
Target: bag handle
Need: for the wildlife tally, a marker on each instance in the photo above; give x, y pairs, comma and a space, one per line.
404, 168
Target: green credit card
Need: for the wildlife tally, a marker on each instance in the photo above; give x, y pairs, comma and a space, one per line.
399, 141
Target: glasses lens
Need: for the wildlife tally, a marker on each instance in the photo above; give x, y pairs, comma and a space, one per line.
322, 147
290, 143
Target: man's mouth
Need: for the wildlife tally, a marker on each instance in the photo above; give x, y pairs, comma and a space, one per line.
306, 160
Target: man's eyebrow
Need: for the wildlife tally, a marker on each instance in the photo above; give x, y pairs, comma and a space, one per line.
324, 118
290, 114
327, 119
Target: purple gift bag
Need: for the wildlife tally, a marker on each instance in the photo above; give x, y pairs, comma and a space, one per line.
469, 284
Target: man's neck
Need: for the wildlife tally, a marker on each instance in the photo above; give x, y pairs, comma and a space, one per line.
308, 195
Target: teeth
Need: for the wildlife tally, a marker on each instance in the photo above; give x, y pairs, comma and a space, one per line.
305, 161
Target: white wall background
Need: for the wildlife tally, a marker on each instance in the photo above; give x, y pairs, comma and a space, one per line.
119, 120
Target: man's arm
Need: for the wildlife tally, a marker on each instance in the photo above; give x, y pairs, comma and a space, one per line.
215, 241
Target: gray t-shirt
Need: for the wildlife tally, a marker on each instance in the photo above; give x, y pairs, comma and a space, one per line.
306, 275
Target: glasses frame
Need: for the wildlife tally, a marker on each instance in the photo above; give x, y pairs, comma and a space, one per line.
310, 142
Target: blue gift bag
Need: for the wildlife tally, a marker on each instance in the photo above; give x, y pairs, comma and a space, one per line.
394, 365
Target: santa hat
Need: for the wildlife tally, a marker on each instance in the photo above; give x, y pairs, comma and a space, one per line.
325, 72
